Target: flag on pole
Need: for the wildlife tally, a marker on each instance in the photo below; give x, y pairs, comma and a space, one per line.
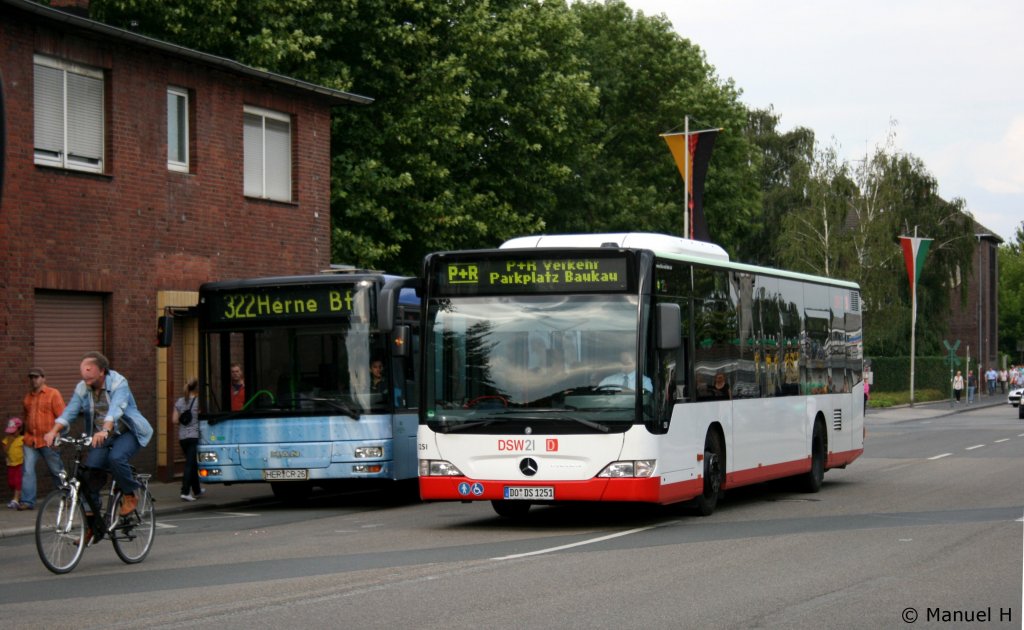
914, 252
692, 153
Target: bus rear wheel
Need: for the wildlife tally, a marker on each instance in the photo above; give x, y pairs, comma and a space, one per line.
714, 475
291, 491
511, 509
811, 480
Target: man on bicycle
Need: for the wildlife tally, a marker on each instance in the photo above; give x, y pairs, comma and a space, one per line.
120, 429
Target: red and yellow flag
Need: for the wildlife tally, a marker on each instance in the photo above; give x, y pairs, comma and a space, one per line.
692, 153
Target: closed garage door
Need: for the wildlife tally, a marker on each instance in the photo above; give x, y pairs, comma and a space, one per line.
67, 326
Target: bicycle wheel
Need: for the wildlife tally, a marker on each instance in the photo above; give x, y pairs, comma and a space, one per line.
60, 532
133, 534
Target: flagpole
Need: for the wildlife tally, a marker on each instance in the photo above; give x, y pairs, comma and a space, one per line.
686, 179
914, 252
913, 336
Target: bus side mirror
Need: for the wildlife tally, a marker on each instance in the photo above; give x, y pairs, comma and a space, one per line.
669, 326
164, 331
400, 341
389, 297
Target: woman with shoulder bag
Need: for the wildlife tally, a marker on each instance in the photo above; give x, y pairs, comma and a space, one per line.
186, 415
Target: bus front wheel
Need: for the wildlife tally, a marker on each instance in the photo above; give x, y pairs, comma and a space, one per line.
291, 491
714, 475
511, 509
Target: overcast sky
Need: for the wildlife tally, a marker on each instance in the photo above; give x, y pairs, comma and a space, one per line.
949, 73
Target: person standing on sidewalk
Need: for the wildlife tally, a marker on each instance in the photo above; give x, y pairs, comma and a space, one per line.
1002, 381
958, 385
186, 416
14, 453
972, 384
42, 406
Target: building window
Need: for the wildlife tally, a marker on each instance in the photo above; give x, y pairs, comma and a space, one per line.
177, 129
68, 115
268, 154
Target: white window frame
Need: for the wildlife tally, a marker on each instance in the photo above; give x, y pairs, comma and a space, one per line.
180, 112
70, 128
267, 167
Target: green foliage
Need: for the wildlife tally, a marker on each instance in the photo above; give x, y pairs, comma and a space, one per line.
892, 374
495, 118
784, 162
1011, 296
492, 119
892, 399
649, 79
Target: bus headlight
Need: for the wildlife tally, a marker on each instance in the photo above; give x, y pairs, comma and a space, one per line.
207, 457
438, 468
373, 452
635, 468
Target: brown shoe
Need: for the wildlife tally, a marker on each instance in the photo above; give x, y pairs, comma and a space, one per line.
128, 504
88, 537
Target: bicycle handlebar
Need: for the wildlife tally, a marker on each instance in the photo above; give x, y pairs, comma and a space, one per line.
85, 440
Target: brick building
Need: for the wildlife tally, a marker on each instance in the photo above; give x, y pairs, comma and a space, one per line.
132, 171
975, 320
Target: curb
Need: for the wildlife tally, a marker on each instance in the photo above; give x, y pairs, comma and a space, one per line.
173, 508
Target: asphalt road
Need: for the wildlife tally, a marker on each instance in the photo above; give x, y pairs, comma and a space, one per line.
927, 525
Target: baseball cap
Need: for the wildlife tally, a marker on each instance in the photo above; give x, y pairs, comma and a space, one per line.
13, 425
36, 372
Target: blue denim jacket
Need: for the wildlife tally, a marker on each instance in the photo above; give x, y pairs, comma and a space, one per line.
122, 407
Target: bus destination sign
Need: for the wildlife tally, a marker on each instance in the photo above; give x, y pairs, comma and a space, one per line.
533, 275
284, 303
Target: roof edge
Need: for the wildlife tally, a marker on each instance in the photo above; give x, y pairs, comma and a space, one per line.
223, 63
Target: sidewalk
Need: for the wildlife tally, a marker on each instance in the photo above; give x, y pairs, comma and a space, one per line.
167, 500
937, 409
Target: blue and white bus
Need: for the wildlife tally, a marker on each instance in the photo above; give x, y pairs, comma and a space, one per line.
310, 406
631, 367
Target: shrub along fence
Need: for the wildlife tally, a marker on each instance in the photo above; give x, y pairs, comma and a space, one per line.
892, 374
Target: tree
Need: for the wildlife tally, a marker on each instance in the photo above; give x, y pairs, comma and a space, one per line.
784, 168
1011, 295
814, 237
649, 79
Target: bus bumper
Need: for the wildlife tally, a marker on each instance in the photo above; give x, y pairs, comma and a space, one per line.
642, 490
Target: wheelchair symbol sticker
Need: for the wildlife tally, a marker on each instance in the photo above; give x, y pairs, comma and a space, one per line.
478, 489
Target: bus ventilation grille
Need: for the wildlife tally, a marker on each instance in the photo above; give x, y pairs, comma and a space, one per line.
837, 419
854, 302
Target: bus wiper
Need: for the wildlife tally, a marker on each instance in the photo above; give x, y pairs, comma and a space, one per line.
560, 415
336, 403
348, 409
472, 424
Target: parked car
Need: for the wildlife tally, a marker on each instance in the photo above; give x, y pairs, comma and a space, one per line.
1014, 396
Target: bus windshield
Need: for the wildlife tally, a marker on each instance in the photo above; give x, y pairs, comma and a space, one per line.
299, 370
563, 359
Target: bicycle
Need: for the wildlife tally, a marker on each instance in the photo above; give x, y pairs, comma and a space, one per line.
63, 519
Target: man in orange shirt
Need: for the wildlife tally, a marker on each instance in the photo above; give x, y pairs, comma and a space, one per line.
237, 387
42, 405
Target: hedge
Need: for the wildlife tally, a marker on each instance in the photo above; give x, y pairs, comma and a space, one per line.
892, 374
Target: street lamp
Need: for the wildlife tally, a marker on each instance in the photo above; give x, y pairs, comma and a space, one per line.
982, 354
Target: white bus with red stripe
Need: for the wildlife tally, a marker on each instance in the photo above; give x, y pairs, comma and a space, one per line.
631, 367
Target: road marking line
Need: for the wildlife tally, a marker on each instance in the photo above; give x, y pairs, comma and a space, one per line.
971, 448
577, 544
160, 525
1002, 440
218, 516
940, 456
